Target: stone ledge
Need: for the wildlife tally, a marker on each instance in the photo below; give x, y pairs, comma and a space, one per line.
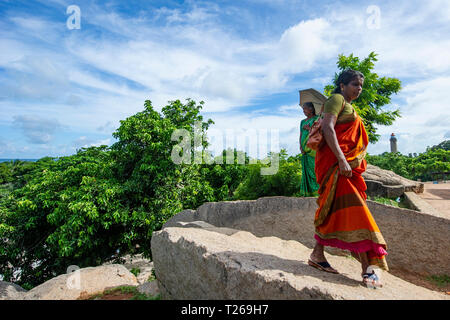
389, 178
418, 204
378, 189
195, 263
413, 238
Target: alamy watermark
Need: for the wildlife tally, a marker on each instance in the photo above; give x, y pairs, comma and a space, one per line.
374, 20
187, 151
74, 20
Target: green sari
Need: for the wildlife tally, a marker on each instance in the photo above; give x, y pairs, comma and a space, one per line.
309, 185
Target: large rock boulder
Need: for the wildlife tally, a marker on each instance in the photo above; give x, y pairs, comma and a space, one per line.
291, 218
385, 183
417, 242
204, 262
82, 283
144, 269
11, 291
137, 263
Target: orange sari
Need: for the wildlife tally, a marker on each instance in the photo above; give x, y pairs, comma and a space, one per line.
343, 219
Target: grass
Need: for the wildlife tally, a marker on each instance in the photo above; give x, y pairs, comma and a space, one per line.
135, 271
390, 202
441, 280
351, 257
152, 277
131, 290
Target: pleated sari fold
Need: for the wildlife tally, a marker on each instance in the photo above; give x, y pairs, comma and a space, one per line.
343, 219
308, 184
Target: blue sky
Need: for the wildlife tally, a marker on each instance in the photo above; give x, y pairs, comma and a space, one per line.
63, 89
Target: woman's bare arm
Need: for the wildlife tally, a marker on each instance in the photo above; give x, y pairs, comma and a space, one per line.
328, 123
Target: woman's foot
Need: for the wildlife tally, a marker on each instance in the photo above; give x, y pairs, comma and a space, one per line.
371, 280
321, 263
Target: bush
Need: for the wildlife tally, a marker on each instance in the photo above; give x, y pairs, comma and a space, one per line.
419, 167
286, 182
100, 203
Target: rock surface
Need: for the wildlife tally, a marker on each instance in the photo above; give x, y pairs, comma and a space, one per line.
206, 263
413, 238
378, 189
415, 202
438, 196
386, 183
139, 263
150, 288
81, 283
85, 282
11, 291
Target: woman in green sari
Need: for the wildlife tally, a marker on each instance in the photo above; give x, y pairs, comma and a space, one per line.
308, 186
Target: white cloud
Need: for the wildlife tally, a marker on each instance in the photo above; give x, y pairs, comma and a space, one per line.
303, 45
425, 118
86, 79
410, 40
283, 129
12, 50
85, 142
187, 53
37, 130
290, 110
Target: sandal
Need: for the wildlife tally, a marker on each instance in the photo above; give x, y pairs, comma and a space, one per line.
371, 280
324, 266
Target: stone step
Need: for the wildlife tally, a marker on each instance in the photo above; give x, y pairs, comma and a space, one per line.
206, 262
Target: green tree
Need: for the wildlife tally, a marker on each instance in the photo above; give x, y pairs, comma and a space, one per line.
445, 145
224, 177
419, 167
396, 162
101, 202
143, 160
5, 172
375, 95
285, 182
59, 217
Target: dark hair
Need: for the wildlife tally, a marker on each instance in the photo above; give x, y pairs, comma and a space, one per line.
345, 77
310, 105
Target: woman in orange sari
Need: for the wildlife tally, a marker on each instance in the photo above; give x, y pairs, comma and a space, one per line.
343, 219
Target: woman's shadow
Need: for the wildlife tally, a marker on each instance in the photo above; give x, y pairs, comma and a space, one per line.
262, 261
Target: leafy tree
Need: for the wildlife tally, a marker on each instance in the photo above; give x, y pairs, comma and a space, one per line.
102, 202
143, 162
419, 167
376, 93
395, 162
286, 182
225, 177
5, 172
58, 218
445, 145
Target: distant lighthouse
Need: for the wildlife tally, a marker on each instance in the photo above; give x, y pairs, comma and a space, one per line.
393, 143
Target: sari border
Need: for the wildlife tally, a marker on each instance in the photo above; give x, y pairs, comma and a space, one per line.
326, 208
354, 236
375, 252
333, 172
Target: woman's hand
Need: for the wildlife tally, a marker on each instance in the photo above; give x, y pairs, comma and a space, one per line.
344, 168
